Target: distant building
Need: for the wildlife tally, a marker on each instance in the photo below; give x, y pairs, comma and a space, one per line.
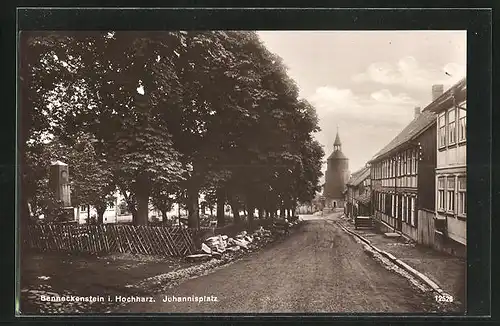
114, 213
358, 194
336, 176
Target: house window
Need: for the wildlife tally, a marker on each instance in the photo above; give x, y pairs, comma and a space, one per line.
462, 124
462, 196
382, 202
389, 206
452, 131
410, 163
450, 199
442, 130
408, 209
403, 210
396, 209
414, 162
440, 182
393, 206
83, 208
405, 167
111, 205
413, 216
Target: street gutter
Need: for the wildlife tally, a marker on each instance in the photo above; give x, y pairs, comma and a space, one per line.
398, 262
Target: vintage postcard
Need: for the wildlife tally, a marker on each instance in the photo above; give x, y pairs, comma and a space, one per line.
231, 171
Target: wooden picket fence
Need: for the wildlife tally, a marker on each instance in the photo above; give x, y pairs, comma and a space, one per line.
112, 238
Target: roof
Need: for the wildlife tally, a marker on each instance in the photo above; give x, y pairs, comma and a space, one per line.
427, 118
337, 155
410, 132
337, 139
365, 198
445, 101
353, 175
358, 177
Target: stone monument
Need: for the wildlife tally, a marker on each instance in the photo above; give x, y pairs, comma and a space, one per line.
59, 183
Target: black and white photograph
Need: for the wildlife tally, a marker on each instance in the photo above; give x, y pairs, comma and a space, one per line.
242, 171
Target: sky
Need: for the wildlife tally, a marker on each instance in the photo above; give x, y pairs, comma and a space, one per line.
367, 83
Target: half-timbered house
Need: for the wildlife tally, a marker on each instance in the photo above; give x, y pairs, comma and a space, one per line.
450, 221
403, 178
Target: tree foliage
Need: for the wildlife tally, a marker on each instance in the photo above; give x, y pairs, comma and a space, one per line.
165, 116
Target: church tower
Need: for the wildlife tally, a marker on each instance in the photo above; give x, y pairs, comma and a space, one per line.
336, 176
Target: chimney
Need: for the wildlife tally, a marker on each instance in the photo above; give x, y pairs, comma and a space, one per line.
437, 91
417, 111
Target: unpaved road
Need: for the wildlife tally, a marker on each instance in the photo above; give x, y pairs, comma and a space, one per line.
319, 268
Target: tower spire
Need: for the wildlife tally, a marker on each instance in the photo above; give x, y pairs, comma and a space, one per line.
337, 144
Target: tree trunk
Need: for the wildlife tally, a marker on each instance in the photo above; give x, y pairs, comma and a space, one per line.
221, 220
261, 213
236, 212
142, 209
163, 216
221, 199
287, 213
130, 204
282, 211
100, 214
268, 215
193, 208
250, 215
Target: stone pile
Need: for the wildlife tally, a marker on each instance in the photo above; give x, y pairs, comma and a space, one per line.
220, 245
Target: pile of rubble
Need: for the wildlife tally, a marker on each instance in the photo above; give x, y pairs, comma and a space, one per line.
219, 245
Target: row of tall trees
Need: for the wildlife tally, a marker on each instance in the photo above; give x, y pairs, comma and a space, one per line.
163, 117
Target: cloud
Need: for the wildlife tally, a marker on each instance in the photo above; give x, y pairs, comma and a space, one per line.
366, 122
378, 106
408, 73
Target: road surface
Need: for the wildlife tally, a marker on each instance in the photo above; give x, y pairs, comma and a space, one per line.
319, 268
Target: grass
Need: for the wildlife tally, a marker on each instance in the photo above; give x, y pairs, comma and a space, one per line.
88, 275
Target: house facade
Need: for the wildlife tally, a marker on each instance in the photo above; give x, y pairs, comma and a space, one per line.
403, 178
451, 172
398, 174
358, 195
115, 212
419, 179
